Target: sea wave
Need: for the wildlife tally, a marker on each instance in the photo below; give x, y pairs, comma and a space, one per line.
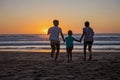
41, 42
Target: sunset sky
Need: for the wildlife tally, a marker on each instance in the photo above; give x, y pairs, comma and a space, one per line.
36, 16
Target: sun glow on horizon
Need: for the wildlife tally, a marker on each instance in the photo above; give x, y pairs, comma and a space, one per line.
44, 31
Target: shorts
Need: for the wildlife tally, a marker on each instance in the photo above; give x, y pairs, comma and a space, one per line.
69, 48
55, 44
88, 42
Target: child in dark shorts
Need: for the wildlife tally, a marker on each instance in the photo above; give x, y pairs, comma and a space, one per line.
69, 45
54, 33
88, 39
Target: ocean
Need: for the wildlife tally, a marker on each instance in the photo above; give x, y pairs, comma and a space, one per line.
41, 43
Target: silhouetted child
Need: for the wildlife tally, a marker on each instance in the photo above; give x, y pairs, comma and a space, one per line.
88, 39
69, 45
54, 33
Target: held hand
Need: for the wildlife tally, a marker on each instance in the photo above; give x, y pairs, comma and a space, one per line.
80, 41
63, 40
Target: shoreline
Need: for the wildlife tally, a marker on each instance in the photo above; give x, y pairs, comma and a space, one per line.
61, 51
101, 52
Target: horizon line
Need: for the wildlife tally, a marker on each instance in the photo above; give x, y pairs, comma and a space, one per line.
46, 34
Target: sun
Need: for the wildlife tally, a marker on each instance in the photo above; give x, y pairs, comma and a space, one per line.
44, 31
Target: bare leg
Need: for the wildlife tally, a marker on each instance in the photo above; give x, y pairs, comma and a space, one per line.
52, 49
52, 52
68, 52
57, 54
85, 46
90, 51
70, 55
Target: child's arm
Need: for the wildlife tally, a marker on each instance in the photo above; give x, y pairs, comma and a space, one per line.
48, 32
62, 36
82, 36
76, 40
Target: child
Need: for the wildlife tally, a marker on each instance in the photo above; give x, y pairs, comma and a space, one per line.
69, 45
54, 33
88, 39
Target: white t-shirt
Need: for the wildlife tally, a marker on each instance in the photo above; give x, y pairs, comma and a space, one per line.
54, 33
88, 34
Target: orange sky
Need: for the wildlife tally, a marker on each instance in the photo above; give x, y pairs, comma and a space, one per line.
36, 16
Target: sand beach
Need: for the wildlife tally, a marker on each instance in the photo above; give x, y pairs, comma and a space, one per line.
40, 66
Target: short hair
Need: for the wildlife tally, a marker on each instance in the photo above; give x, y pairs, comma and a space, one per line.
70, 32
55, 21
86, 23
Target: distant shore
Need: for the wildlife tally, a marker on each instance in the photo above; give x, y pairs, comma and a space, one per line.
40, 66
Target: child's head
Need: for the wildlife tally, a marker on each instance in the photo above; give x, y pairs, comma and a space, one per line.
55, 22
70, 33
87, 24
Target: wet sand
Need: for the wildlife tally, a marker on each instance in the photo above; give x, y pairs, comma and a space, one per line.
40, 66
